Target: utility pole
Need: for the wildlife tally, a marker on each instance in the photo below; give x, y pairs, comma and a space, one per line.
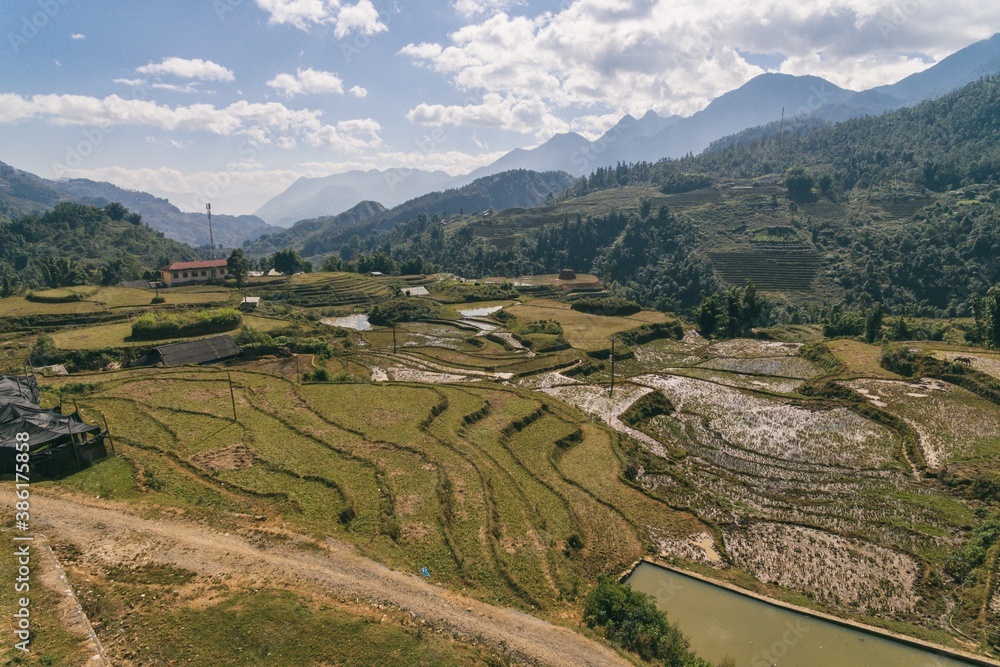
211, 237
232, 396
612, 390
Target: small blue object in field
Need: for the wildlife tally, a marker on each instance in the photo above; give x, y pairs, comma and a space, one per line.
425, 572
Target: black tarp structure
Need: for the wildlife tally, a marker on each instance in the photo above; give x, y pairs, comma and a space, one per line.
201, 351
58, 444
18, 389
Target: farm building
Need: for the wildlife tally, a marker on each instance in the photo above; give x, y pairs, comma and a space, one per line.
202, 351
419, 290
250, 303
58, 444
186, 273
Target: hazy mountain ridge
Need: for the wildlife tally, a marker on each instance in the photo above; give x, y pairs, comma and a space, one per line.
514, 189
760, 101
22, 192
309, 198
191, 228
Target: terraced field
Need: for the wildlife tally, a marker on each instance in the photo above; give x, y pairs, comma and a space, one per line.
816, 500
771, 267
468, 482
516, 477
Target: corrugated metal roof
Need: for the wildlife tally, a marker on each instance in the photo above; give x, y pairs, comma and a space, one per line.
204, 264
203, 351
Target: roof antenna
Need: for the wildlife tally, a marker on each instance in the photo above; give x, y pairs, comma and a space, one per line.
211, 237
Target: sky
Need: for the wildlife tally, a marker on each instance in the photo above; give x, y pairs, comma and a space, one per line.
230, 101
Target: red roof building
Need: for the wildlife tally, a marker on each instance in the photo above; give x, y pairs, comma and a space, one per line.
183, 273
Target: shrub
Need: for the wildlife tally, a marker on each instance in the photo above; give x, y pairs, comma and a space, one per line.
153, 326
56, 297
607, 305
632, 620
402, 310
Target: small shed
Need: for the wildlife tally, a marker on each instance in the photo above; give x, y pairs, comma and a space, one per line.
250, 303
202, 351
376, 274
419, 290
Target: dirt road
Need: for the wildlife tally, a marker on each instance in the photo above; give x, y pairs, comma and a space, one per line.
109, 532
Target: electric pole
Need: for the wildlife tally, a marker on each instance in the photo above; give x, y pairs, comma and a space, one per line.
611, 392
211, 237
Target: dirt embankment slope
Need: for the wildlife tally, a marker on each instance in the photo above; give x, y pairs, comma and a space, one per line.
112, 534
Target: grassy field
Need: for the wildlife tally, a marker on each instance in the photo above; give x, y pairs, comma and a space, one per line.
119, 333
583, 331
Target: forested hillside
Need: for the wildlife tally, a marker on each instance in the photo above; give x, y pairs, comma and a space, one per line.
901, 209
75, 244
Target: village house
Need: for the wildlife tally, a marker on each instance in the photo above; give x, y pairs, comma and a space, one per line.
184, 273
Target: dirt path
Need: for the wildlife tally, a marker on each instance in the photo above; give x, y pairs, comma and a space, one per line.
110, 533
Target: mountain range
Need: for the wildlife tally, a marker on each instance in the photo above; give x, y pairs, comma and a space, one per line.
517, 188
762, 100
22, 192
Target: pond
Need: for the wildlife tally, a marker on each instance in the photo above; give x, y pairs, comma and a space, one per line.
480, 312
357, 322
722, 623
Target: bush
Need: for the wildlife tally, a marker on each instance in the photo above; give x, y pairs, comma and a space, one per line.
608, 305
154, 326
42, 297
402, 310
632, 620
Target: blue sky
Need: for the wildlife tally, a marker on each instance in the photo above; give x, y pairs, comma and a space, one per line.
232, 100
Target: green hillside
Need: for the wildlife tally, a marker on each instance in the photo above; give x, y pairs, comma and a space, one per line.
75, 244
900, 209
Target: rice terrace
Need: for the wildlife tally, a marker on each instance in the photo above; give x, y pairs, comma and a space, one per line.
493, 472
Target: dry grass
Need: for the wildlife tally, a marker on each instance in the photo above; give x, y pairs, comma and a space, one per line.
583, 331
859, 359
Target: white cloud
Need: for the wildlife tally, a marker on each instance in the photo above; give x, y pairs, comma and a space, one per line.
361, 17
261, 123
598, 58
175, 88
78, 35
307, 82
349, 136
454, 163
303, 14
195, 68
471, 8
131, 82
358, 91
527, 116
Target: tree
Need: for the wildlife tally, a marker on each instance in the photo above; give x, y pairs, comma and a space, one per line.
116, 211
287, 261
992, 308
873, 324
708, 316
799, 184
239, 265
134, 218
